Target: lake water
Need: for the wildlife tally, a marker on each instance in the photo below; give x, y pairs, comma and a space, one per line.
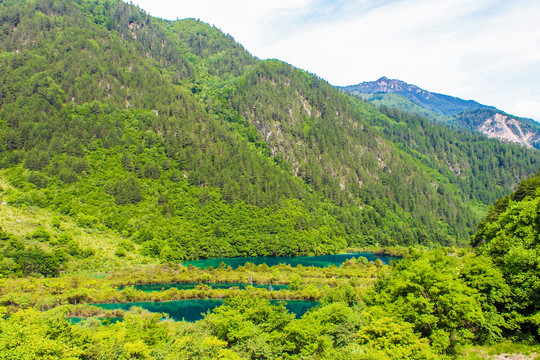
193, 310
318, 261
104, 321
190, 286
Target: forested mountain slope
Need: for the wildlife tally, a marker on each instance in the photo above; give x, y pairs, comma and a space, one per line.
483, 169
106, 134
172, 136
438, 103
455, 112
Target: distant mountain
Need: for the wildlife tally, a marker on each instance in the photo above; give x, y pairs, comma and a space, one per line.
467, 114
437, 103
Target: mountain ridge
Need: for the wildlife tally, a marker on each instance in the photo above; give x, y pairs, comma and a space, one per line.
450, 110
418, 95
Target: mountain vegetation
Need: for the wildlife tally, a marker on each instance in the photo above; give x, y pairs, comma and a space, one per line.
437, 103
129, 144
451, 111
173, 137
510, 237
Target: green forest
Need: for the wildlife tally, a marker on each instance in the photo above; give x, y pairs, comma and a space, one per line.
444, 303
130, 144
465, 115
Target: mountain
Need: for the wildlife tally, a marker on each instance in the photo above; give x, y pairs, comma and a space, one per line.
129, 144
173, 142
437, 103
467, 114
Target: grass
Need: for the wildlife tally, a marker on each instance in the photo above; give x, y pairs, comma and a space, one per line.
23, 220
519, 351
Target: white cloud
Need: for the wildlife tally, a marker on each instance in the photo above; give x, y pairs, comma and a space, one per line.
527, 108
474, 49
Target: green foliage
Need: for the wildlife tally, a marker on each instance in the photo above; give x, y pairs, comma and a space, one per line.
250, 326
30, 335
432, 306
127, 192
40, 234
342, 293
391, 338
171, 134
442, 299
257, 329
509, 236
18, 259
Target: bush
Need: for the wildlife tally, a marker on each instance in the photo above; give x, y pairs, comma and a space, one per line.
36, 261
38, 179
41, 235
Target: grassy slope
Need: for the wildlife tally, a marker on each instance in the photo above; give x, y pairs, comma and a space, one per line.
22, 221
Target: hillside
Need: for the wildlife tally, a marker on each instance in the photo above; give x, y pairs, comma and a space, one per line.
453, 111
509, 236
173, 139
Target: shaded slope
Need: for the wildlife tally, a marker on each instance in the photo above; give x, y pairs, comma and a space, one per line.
438, 103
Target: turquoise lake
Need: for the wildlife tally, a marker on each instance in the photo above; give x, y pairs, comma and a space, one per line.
318, 261
193, 310
189, 286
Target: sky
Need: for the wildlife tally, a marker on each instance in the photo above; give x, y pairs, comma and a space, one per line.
484, 50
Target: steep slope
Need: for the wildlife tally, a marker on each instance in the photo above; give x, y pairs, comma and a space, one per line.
482, 169
510, 235
170, 135
498, 125
325, 138
98, 127
329, 141
453, 111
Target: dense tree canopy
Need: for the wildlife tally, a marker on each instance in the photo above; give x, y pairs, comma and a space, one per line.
173, 136
510, 236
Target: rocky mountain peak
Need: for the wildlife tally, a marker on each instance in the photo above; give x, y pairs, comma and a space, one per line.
467, 114
386, 85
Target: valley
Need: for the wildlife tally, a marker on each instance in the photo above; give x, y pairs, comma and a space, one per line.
137, 152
